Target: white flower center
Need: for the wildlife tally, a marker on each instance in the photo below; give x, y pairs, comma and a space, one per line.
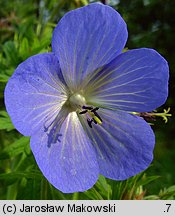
76, 101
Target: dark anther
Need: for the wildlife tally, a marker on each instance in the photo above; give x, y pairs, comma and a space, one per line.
96, 114
89, 122
95, 109
87, 108
83, 112
96, 119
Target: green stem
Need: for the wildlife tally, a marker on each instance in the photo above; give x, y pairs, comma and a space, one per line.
44, 189
98, 195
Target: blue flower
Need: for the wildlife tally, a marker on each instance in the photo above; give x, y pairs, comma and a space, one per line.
76, 102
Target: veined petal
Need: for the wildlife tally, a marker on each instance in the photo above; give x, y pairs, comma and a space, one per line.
35, 94
124, 144
69, 163
86, 39
136, 80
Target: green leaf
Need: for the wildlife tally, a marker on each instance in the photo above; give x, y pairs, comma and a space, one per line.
15, 148
4, 78
93, 194
103, 187
24, 48
152, 197
147, 179
13, 176
41, 43
5, 121
11, 53
167, 193
164, 194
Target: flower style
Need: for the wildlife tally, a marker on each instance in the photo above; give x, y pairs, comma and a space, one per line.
76, 102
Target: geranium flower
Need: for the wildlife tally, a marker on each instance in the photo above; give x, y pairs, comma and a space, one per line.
76, 102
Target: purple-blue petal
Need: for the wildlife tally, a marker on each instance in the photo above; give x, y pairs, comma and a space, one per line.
34, 94
124, 144
70, 163
136, 80
86, 39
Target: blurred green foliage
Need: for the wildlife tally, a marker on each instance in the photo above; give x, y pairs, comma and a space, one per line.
26, 29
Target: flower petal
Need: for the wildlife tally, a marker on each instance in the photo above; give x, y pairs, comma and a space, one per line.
70, 163
136, 80
35, 93
86, 39
124, 144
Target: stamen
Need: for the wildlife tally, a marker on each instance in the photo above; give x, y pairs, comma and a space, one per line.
95, 109
93, 114
96, 114
94, 121
89, 122
87, 108
83, 112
